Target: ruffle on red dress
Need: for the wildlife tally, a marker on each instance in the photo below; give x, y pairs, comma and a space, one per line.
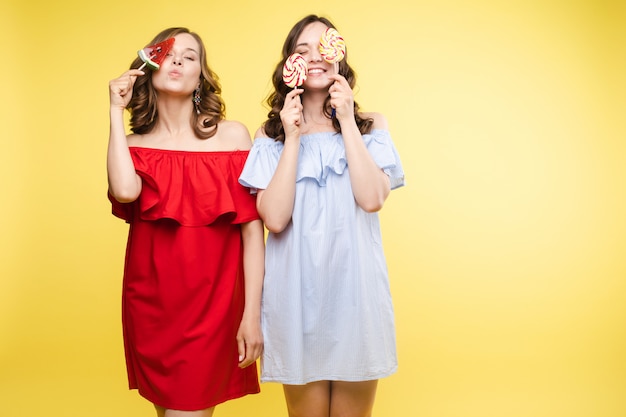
192, 188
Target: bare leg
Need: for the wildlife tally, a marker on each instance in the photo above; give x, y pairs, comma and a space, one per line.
164, 412
310, 400
352, 399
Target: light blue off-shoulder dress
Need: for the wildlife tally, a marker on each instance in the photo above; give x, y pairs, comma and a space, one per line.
327, 312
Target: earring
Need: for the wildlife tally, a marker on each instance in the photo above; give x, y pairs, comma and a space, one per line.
196, 99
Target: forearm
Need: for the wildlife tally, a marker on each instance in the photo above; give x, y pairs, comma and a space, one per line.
249, 335
370, 185
254, 268
124, 183
275, 203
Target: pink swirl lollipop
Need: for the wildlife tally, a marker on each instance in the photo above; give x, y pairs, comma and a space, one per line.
332, 46
294, 71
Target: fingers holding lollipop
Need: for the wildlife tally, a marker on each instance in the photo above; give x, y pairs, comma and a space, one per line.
341, 98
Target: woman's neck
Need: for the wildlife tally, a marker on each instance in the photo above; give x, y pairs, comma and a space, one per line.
313, 112
174, 116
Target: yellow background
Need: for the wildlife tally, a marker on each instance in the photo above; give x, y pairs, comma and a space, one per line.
506, 249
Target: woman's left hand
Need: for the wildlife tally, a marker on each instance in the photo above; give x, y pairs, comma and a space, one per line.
341, 98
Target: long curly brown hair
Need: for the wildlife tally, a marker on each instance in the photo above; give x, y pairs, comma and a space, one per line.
143, 105
273, 126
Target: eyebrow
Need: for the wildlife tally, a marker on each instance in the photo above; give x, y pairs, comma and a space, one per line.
191, 50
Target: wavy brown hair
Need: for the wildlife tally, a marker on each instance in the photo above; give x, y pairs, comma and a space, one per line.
273, 126
143, 105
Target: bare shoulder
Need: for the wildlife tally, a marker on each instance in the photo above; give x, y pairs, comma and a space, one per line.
380, 121
260, 133
133, 140
234, 135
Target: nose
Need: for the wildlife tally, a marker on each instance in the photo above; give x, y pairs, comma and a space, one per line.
177, 59
315, 55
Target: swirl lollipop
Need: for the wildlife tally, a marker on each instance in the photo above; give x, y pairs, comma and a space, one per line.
294, 71
332, 49
332, 46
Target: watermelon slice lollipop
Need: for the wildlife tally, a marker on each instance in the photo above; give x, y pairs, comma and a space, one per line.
154, 55
294, 71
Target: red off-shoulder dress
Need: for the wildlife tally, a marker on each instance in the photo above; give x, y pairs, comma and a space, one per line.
183, 291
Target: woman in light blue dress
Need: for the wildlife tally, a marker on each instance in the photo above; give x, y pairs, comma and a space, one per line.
322, 170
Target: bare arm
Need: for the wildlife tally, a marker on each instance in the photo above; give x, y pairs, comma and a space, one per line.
275, 204
249, 336
124, 183
370, 185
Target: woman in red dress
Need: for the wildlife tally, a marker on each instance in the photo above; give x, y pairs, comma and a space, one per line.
194, 260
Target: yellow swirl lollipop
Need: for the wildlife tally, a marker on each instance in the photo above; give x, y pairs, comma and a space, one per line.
332, 46
294, 71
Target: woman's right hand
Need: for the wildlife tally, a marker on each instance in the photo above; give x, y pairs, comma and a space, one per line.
291, 114
121, 88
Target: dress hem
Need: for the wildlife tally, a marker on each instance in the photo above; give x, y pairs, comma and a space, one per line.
352, 378
203, 406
